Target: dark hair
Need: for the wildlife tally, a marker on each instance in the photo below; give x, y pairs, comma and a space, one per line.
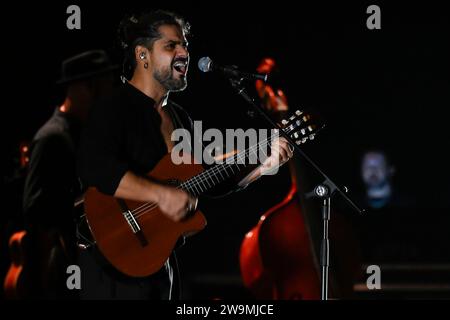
142, 30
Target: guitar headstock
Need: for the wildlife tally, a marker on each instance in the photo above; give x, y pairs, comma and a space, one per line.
301, 126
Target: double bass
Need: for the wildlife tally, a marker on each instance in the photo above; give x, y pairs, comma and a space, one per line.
277, 259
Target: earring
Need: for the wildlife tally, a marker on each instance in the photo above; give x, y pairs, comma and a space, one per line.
142, 56
146, 65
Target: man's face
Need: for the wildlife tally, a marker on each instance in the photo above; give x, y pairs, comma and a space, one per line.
170, 58
374, 169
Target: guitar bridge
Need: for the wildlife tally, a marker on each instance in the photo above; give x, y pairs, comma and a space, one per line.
132, 222
134, 225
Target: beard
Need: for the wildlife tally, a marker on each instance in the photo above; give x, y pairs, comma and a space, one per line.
376, 182
168, 81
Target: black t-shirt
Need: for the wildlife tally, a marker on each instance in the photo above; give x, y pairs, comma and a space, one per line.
123, 134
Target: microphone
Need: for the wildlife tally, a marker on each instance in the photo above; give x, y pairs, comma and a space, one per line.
205, 64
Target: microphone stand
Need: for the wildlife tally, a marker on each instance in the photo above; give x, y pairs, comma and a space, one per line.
323, 191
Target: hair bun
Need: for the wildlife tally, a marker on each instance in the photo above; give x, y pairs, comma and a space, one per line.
125, 31
133, 19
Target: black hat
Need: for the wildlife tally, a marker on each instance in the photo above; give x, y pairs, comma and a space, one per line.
85, 65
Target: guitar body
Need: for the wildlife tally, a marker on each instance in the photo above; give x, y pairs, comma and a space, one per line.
145, 252
15, 280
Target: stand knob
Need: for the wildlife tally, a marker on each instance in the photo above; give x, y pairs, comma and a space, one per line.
321, 191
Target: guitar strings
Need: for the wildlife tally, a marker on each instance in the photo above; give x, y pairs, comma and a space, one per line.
207, 174
196, 180
139, 211
145, 208
200, 178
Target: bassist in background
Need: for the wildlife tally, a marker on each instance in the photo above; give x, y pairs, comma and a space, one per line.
128, 134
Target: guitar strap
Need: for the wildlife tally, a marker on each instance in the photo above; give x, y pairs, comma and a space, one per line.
176, 112
176, 119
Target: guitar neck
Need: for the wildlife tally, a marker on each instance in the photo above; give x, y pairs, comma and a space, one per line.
297, 126
231, 167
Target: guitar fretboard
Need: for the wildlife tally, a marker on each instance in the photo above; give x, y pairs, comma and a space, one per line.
214, 176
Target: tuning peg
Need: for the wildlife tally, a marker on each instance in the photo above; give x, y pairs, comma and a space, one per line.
298, 112
284, 122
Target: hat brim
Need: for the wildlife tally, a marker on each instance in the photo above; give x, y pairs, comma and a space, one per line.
87, 75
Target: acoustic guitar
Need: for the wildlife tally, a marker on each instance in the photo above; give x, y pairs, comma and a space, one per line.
137, 238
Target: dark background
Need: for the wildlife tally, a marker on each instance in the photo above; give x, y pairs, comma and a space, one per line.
386, 88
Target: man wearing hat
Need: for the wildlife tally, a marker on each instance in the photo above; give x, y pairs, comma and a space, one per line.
52, 186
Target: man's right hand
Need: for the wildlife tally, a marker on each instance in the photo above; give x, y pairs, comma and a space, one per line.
175, 203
